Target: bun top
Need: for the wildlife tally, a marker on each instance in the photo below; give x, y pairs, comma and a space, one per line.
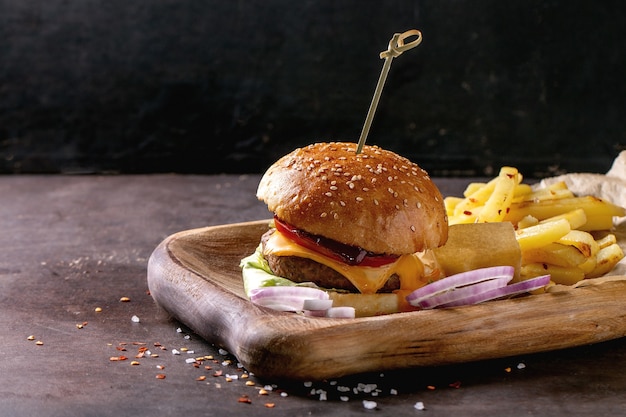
376, 200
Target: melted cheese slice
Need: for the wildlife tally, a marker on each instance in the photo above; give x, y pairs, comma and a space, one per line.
366, 279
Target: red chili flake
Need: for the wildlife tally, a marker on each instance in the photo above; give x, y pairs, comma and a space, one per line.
467, 213
117, 358
244, 399
157, 344
140, 355
217, 373
507, 369
142, 349
431, 387
508, 209
139, 343
208, 368
161, 367
455, 384
121, 348
160, 376
201, 378
270, 405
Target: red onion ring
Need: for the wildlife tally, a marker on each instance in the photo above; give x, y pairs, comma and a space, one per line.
462, 293
503, 292
459, 280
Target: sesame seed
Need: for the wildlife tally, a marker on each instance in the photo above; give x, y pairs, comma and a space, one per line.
328, 194
419, 205
343, 204
333, 182
324, 214
333, 187
412, 228
365, 189
397, 207
350, 185
359, 199
390, 178
335, 216
375, 201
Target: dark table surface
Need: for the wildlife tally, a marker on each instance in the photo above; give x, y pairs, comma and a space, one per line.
72, 245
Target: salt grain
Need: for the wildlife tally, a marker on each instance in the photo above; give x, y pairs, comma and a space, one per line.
419, 406
134, 319
370, 405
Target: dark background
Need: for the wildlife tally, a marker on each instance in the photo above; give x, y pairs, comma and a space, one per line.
93, 86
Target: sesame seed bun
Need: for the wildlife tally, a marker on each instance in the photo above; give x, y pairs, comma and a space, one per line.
375, 200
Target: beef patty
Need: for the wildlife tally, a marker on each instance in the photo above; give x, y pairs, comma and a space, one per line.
299, 269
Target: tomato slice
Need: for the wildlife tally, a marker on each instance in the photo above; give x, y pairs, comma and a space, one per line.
351, 255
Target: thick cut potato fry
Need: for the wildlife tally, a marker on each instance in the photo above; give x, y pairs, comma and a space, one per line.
576, 218
499, 202
582, 241
549, 208
542, 234
558, 274
555, 254
527, 221
476, 199
607, 258
607, 240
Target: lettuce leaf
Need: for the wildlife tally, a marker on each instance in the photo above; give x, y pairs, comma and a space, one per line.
257, 273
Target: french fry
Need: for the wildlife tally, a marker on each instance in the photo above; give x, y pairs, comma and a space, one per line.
582, 241
542, 234
558, 274
576, 218
607, 240
499, 202
607, 258
544, 209
527, 221
555, 254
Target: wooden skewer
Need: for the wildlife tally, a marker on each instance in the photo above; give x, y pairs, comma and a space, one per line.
397, 46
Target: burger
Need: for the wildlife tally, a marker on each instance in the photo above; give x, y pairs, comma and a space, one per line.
358, 224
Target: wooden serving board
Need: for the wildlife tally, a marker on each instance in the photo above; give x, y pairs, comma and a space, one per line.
195, 276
